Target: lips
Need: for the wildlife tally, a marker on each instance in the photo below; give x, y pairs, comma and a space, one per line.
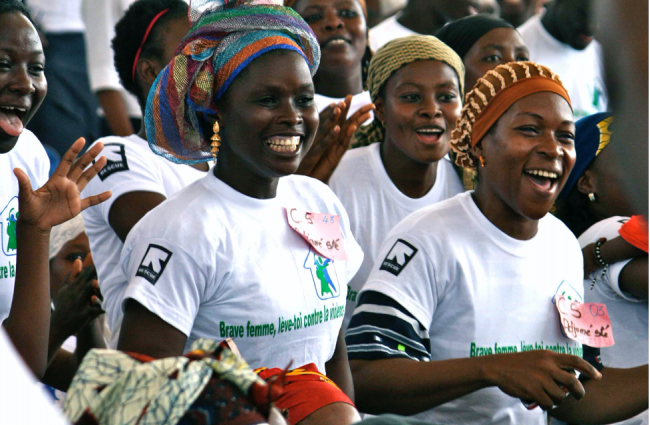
335, 42
545, 180
284, 144
11, 119
430, 134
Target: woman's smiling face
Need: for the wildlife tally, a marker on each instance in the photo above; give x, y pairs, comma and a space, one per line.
22, 79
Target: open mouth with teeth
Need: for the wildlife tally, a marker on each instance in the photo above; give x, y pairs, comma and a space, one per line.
288, 144
430, 135
334, 42
546, 180
11, 119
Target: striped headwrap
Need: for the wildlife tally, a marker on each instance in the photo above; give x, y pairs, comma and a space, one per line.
225, 37
394, 55
492, 96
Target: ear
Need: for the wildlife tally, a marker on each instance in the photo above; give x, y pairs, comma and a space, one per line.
586, 183
146, 72
477, 151
379, 109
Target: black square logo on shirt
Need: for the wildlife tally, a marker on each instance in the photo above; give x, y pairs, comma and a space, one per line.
153, 263
398, 257
115, 160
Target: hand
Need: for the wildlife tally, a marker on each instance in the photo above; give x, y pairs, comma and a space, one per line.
77, 303
590, 263
338, 140
541, 376
59, 199
328, 126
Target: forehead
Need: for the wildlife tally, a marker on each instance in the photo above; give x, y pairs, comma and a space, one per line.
551, 107
425, 73
17, 33
507, 37
301, 5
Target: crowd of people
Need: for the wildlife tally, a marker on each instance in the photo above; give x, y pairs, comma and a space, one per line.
319, 212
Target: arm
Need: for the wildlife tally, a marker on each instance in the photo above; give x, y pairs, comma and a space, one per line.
115, 111
634, 278
611, 251
162, 339
621, 394
129, 208
28, 324
338, 367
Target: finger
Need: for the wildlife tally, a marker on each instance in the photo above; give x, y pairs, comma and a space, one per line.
68, 158
24, 185
574, 362
570, 382
97, 290
359, 113
543, 400
94, 200
82, 163
90, 173
555, 393
349, 133
76, 269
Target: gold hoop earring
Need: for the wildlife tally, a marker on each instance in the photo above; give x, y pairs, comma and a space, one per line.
592, 196
482, 159
216, 142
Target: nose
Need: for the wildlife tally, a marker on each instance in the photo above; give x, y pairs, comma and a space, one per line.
550, 146
430, 107
289, 115
332, 20
21, 81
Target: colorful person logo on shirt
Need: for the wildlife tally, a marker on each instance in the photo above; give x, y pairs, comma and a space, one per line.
8, 219
323, 274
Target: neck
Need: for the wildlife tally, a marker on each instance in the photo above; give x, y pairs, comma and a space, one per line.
503, 217
414, 179
421, 16
549, 22
338, 83
232, 171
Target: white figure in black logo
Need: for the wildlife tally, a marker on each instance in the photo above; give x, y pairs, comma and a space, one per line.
398, 257
153, 263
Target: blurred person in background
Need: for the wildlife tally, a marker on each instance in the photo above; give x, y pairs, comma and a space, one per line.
70, 109
562, 38
421, 17
519, 11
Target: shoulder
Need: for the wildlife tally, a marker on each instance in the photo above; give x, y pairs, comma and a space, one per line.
558, 234
436, 221
30, 155
350, 163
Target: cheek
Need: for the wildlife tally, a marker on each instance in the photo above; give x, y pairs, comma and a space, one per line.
451, 113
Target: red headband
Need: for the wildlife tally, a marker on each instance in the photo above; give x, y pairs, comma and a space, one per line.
144, 39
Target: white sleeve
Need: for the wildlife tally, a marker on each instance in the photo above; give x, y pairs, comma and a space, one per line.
126, 170
99, 18
404, 272
164, 279
613, 273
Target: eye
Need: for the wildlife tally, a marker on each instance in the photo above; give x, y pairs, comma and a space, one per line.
37, 69
410, 97
5, 65
530, 130
447, 97
268, 100
492, 59
348, 13
522, 58
305, 101
567, 137
73, 256
314, 17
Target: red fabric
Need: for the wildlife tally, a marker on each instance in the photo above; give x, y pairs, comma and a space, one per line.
635, 232
305, 391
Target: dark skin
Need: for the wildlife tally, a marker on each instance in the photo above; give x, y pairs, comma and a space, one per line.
22, 77
129, 208
518, 12
428, 16
340, 28
496, 47
420, 96
570, 22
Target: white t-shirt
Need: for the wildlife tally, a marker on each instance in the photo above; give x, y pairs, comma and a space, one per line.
358, 100
463, 288
58, 16
386, 31
21, 398
581, 71
629, 315
28, 155
131, 167
376, 205
215, 263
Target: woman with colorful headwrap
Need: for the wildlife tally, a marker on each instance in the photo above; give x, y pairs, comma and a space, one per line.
341, 31
220, 258
416, 83
462, 287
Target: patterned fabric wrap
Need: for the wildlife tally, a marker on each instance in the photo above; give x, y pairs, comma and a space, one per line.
114, 388
225, 37
391, 57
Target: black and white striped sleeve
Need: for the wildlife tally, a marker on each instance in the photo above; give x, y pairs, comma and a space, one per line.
381, 328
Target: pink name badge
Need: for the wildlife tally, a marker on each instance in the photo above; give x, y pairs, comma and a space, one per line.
321, 231
586, 323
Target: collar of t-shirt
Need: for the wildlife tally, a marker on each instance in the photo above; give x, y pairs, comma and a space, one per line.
433, 195
238, 199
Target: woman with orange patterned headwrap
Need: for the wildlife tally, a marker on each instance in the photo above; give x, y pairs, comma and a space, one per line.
456, 321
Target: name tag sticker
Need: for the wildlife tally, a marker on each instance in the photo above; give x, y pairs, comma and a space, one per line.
586, 323
321, 231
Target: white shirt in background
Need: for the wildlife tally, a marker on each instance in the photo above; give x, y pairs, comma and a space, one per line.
581, 71
57, 16
21, 398
131, 167
100, 17
375, 205
215, 263
475, 290
28, 155
358, 100
386, 31
629, 315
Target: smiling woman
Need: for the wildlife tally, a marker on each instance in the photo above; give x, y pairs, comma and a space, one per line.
227, 263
